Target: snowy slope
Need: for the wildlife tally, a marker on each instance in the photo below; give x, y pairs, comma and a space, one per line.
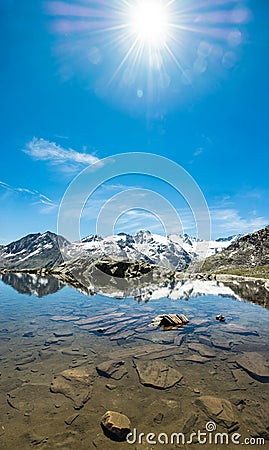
142, 246
34, 250
174, 252
202, 249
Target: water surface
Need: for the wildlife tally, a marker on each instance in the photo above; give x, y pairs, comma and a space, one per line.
51, 342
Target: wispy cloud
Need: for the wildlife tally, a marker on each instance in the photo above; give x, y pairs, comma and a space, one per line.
35, 197
68, 160
130, 210
198, 151
224, 222
229, 221
138, 209
135, 220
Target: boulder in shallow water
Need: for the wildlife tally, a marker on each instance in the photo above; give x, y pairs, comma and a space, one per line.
116, 425
170, 321
220, 318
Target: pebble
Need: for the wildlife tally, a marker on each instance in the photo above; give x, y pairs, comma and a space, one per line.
111, 387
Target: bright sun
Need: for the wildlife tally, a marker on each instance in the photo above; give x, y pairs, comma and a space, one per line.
150, 22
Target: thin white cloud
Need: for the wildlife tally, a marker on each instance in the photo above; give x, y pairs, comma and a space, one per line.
224, 222
35, 197
68, 160
198, 151
5, 186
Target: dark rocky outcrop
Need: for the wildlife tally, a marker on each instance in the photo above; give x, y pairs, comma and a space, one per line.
250, 254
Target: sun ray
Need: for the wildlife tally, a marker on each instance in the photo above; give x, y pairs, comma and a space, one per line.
131, 49
180, 67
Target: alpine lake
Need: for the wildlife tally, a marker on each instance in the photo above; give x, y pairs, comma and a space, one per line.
67, 356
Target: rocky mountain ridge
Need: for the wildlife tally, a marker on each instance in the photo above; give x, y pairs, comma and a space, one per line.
174, 252
33, 250
247, 255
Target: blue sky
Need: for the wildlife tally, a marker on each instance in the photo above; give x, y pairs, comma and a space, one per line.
70, 97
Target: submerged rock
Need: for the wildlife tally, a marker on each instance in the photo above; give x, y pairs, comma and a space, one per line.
255, 365
159, 418
218, 409
112, 369
192, 358
21, 361
59, 334
29, 334
223, 345
65, 318
116, 425
71, 419
237, 329
75, 384
190, 423
202, 349
111, 387
157, 374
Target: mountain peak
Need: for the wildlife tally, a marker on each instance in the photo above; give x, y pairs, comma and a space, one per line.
92, 238
146, 232
33, 250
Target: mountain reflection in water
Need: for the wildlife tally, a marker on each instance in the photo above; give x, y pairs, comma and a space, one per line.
254, 291
31, 284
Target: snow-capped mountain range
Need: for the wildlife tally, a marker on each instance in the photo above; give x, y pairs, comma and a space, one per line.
175, 252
